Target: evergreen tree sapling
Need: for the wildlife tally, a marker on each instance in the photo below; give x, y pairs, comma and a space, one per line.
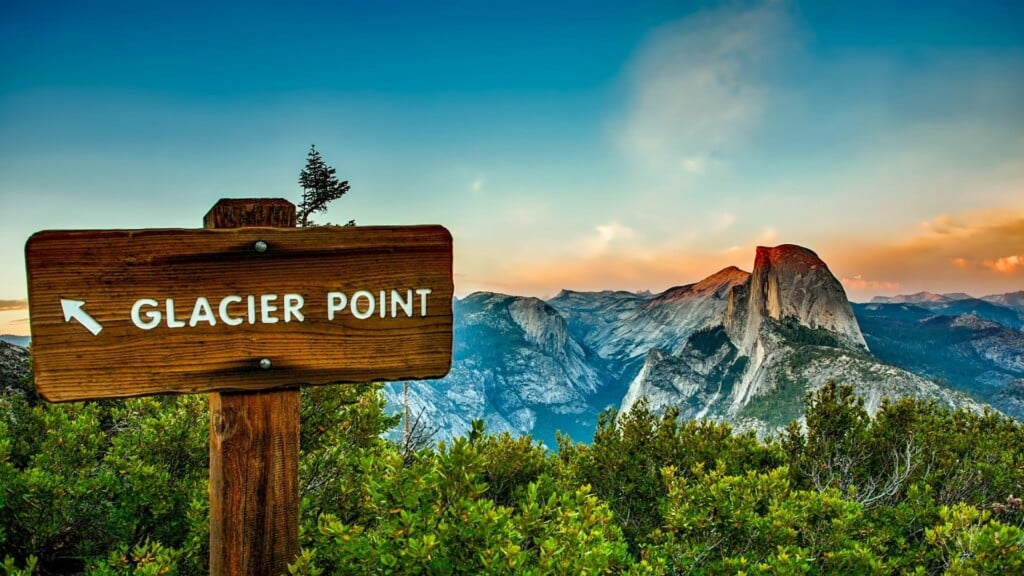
320, 186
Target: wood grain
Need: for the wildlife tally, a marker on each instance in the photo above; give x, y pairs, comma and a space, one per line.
248, 212
254, 451
254, 482
111, 270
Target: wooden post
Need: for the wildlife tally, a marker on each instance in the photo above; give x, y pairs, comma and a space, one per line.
254, 448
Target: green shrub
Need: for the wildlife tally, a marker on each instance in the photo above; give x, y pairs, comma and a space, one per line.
437, 516
721, 523
120, 487
969, 542
624, 462
82, 479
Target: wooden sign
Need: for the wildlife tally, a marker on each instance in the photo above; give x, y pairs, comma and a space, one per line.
120, 313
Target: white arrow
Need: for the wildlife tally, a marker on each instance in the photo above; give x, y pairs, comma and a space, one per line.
73, 309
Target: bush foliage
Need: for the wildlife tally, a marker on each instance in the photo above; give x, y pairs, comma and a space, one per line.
120, 487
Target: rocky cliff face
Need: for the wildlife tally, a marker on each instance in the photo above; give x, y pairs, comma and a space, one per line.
790, 281
635, 325
699, 380
516, 366
790, 289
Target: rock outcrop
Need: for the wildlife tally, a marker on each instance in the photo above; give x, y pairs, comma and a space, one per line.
663, 321
515, 365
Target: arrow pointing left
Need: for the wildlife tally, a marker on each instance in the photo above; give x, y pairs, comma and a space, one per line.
73, 309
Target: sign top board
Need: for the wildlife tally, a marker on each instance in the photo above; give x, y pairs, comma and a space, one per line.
119, 313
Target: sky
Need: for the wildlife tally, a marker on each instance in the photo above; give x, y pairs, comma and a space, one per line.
586, 145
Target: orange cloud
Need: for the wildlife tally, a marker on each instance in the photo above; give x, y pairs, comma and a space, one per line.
946, 225
1006, 264
9, 305
14, 321
860, 283
620, 270
951, 253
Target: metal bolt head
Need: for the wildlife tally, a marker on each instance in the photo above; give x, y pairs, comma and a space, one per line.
265, 363
260, 246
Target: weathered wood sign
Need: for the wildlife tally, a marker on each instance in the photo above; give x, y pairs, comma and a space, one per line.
247, 309
119, 313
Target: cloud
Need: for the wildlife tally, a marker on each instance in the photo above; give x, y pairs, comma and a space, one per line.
860, 283
14, 317
951, 253
629, 267
946, 225
700, 86
961, 263
607, 234
695, 164
1006, 264
8, 305
722, 220
607, 271
477, 185
614, 230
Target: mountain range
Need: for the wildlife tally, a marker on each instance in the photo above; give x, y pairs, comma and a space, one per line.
1006, 309
741, 347
957, 344
21, 341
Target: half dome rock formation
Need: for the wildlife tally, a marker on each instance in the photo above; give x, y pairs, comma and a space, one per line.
783, 325
790, 281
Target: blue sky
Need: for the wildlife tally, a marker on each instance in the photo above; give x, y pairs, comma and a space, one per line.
583, 145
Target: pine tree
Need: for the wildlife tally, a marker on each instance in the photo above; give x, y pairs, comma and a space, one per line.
320, 186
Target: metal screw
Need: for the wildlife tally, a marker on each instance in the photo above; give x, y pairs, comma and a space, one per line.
260, 246
265, 363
